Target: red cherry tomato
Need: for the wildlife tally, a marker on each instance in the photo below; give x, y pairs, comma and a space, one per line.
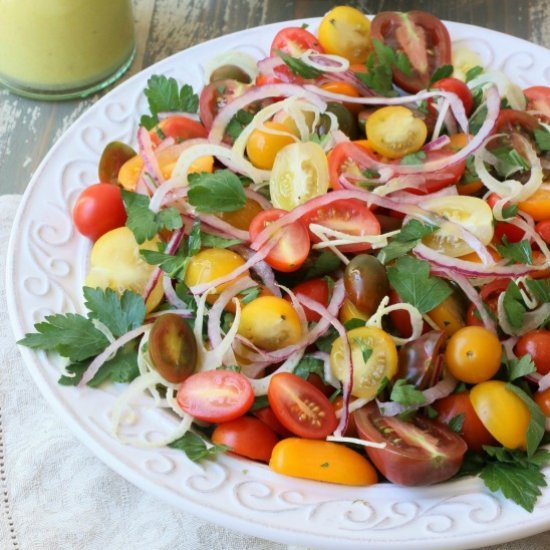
422, 37
179, 128
512, 232
316, 289
293, 247
267, 416
348, 216
543, 229
473, 431
537, 344
489, 293
538, 101
216, 395
98, 209
400, 318
295, 41
246, 436
420, 452
457, 87
542, 399
510, 120
263, 79
217, 95
301, 407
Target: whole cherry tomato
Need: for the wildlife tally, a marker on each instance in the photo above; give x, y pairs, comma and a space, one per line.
537, 344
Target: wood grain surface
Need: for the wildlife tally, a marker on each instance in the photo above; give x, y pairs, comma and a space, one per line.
29, 128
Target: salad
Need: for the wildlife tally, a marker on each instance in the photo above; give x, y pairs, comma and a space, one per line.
333, 260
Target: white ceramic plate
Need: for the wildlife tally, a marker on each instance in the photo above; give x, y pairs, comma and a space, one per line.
46, 268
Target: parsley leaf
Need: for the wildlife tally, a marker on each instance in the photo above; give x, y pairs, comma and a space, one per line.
477, 119
412, 281
260, 402
240, 120
249, 294
540, 288
509, 161
123, 367
410, 235
309, 365
413, 159
75, 373
164, 95
456, 423
542, 137
514, 307
366, 351
299, 67
474, 72
519, 252
323, 264
143, 222
221, 191
510, 211
213, 241
444, 71
406, 394
518, 368
195, 448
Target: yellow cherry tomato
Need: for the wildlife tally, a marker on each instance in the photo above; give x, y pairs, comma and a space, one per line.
473, 354
345, 31
349, 311
449, 315
209, 264
242, 217
322, 461
537, 205
502, 412
374, 358
300, 173
472, 213
115, 263
270, 323
262, 146
394, 131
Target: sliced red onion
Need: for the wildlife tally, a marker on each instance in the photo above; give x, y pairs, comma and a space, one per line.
437, 143
410, 198
325, 62
165, 144
267, 65
184, 313
170, 293
224, 227
258, 197
148, 155
261, 385
262, 269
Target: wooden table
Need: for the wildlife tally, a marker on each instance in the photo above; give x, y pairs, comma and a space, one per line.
29, 128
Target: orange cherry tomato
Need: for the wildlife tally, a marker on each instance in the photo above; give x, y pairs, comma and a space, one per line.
542, 399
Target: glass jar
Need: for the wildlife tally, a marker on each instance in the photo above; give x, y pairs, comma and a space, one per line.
63, 49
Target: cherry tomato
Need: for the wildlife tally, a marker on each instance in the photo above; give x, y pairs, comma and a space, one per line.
512, 232
179, 128
374, 358
349, 311
537, 205
301, 407
267, 416
322, 461
172, 348
537, 344
233, 72
349, 216
473, 354
115, 263
264, 79
292, 248
419, 452
511, 120
316, 289
241, 218
262, 146
543, 229
422, 37
394, 131
468, 184
246, 436
294, 41
98, 209
215, 395
489, 293
542, 399
400, 318
113, 157
270, 323
538, 101
472, 431
345, 31
300, 173
449, 315
502, 412
215, 96
343, 88
366, 282
474, 214
455, 86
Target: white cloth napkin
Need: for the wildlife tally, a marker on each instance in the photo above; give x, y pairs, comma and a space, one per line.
55, 494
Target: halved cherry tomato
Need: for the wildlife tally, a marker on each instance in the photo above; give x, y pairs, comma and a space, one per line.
246, 436
455, 86
316, 289
215, 395
472, 431
512, 232
301, 407
345, 31
538, 101
422, 37
270, 323
512, 120
294, 41
241, 218
502, 412
394, 131
179, 128
293, 246
537, 344
419, 452
98, 209
113, 157
215, 96
473, 354
322, 461
374, 358
349, 311
543, 229
542, 399
349, 216
537, 205
263, 146
489, 293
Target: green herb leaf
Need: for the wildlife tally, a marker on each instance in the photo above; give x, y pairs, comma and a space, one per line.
510, 211
175, 266
413, 159
76, 372
406, 394
540, 288
260, 402
519, 252
514, 307
195, 448
474, 72
240, 120
366, 351
477, 119
518, 368
354, 323
299, 67
410, 235
310, 365
456, 423
445, 71
213, 241
249, 294
323, 264
122, 368
509, 161
412, 281
221, 191
542, 138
